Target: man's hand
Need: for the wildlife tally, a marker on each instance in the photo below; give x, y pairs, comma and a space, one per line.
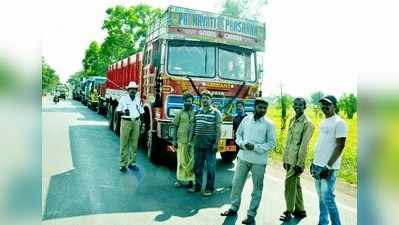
298, 170
249, 146
215, 147
325, 173
286, 166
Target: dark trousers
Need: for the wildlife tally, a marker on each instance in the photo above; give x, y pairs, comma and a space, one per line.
200, 156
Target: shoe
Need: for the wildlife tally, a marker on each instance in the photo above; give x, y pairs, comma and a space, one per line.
286, 216
207, 193
299, 214
133, 167
122, 169
178, 184
194, 189
190, 184
229, 212
249, 220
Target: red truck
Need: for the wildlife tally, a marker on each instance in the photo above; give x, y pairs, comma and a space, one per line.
189, 50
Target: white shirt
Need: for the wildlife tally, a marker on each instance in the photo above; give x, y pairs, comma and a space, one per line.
330, 129
261, 133
135, 108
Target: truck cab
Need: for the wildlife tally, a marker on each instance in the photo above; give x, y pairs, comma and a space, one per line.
189, 51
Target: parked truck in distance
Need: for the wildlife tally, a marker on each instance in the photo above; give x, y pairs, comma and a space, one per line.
189, 51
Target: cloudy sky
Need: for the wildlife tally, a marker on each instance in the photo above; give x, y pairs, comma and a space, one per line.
311, 45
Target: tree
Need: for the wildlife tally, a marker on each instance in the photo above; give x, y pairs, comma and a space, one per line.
314, 100
91, 61
126, 30
348, 103
243, 8
50, 79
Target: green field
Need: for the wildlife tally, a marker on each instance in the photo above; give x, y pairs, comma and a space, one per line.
348, 171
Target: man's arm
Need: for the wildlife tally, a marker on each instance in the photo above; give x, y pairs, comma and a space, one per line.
303, 149
176, 123
240, 135
218, 130
337, 151
270, 142
121, 106
192, 129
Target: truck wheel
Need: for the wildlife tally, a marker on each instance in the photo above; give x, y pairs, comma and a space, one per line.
154, 144
110, 115
116, 125
228, 156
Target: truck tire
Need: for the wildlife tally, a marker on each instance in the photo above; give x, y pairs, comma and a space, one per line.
228, 157
116, 122
154, 144
110, 115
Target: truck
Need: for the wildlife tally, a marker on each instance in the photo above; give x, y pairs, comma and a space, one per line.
93, 83
188, 50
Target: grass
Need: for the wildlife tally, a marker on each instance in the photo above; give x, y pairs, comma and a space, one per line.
348, 170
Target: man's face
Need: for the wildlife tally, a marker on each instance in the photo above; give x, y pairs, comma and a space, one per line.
298, 106
132, 91
327, 108
206, 100
260, 109
188, 102
240, 108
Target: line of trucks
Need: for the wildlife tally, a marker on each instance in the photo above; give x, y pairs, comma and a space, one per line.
185, 50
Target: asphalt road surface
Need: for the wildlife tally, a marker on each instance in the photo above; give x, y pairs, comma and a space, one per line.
82, 184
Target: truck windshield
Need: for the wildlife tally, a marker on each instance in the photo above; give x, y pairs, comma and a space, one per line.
193, 59
236, 64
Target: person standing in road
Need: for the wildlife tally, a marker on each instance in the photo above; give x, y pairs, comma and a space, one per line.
205, 135
185, 155
131, 111
256, 136
299, 133
327, 159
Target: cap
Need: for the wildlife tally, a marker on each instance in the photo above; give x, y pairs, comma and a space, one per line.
330, 99
206, 92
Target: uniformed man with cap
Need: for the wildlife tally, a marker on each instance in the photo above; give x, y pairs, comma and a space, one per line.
131, 110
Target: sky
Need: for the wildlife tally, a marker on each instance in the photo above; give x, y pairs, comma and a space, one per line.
311, 45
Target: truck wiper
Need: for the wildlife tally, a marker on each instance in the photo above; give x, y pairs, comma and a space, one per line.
193, 85
234, 97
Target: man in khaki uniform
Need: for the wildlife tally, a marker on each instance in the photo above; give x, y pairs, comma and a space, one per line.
299, 134
130, 109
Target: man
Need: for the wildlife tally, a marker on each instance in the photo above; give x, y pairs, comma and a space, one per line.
130, 109
299, 133
239, 116
185, 156
327, 159
256, 137
205, 136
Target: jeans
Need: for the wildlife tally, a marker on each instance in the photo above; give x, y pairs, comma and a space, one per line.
325, 190
200, 156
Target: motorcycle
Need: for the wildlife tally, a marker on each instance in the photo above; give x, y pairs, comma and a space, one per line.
56, 99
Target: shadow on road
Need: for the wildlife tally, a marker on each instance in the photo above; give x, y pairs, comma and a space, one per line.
96, 186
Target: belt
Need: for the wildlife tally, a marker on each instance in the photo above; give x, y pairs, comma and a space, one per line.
130, 119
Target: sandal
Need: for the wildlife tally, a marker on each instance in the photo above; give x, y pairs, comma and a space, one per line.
299, 214
229, 212
286, 216
178, 184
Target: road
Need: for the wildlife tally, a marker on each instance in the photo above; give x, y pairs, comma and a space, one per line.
82, 184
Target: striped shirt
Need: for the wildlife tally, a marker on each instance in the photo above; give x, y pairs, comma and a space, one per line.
204, 127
